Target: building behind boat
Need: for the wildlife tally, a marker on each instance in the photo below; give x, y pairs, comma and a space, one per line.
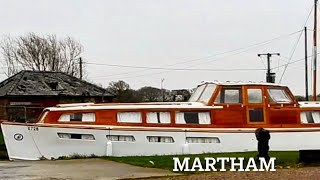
24, 95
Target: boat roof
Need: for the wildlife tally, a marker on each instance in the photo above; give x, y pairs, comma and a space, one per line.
132, 106
240, 83
156, 105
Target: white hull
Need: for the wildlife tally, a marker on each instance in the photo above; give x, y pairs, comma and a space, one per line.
45, 142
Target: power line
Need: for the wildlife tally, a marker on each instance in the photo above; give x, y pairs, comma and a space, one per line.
226, 70
206, 57
296, 44
176, 69
292, 62
293, 51
248, 48
212, 70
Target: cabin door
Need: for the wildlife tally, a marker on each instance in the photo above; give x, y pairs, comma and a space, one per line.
255, 105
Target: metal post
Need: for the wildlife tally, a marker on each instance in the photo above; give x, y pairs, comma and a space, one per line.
162, 90
315, 52
25, 114
80, 59
269, 71
306, 62
269, 79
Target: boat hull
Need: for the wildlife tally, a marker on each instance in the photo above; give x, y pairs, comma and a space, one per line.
36, 141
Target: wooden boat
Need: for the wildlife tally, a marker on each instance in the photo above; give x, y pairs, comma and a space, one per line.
219, 117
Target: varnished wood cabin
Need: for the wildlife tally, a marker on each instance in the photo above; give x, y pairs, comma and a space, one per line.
220, 105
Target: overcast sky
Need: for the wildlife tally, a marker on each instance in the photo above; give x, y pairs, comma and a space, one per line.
176, 34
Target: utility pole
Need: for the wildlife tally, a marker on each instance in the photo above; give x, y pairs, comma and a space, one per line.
162, 90
53, 68
306, 62
80, 63
269, 78
315, 52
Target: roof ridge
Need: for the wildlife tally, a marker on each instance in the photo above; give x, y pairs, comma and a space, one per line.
11, 84
22, 72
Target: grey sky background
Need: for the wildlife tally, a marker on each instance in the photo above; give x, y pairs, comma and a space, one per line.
160, 33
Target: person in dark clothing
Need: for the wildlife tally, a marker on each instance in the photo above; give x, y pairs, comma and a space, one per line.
263, 137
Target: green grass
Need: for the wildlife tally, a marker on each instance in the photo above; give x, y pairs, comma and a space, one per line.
76, 156
1, 137
284, 159
3, 151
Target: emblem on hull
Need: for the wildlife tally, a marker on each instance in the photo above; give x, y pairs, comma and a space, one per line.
18, 137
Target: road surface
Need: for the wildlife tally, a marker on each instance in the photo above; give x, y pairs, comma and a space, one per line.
75, 169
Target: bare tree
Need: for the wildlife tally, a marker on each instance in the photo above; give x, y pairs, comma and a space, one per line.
41, 53
9, 57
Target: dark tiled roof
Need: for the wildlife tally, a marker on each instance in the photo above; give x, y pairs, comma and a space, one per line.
44, 83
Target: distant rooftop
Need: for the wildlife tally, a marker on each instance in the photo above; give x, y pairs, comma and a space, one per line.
46, 83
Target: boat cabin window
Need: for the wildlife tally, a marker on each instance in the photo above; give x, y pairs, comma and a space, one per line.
203, 93
193, 118
256, 115
254, 96
129, 117
160, 139
77, 117
76, 136
229, 95
202, 140
121, 138
277, 95
159, 117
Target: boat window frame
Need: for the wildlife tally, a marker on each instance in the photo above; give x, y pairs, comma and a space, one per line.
158, 120
251, 99
141, 119
221, 94
193, 94
43, 116
205, 87
159, 139
77, 121
76, 117
286, 93
200, 120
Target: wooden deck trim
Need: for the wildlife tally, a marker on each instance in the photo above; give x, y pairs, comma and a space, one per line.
166, 129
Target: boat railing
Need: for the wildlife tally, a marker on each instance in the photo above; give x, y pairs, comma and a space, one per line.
309, 104
74, 104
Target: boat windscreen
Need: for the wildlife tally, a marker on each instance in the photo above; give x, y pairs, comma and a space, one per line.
195, 96
203, 93
279, 96
43, 116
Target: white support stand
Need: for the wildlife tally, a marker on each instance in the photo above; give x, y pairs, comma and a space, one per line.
109, 148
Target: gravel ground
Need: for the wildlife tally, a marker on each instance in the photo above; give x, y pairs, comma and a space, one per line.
306, 173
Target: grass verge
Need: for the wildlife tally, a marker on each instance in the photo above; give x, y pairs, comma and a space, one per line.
1, 137
284, 159
3, 150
